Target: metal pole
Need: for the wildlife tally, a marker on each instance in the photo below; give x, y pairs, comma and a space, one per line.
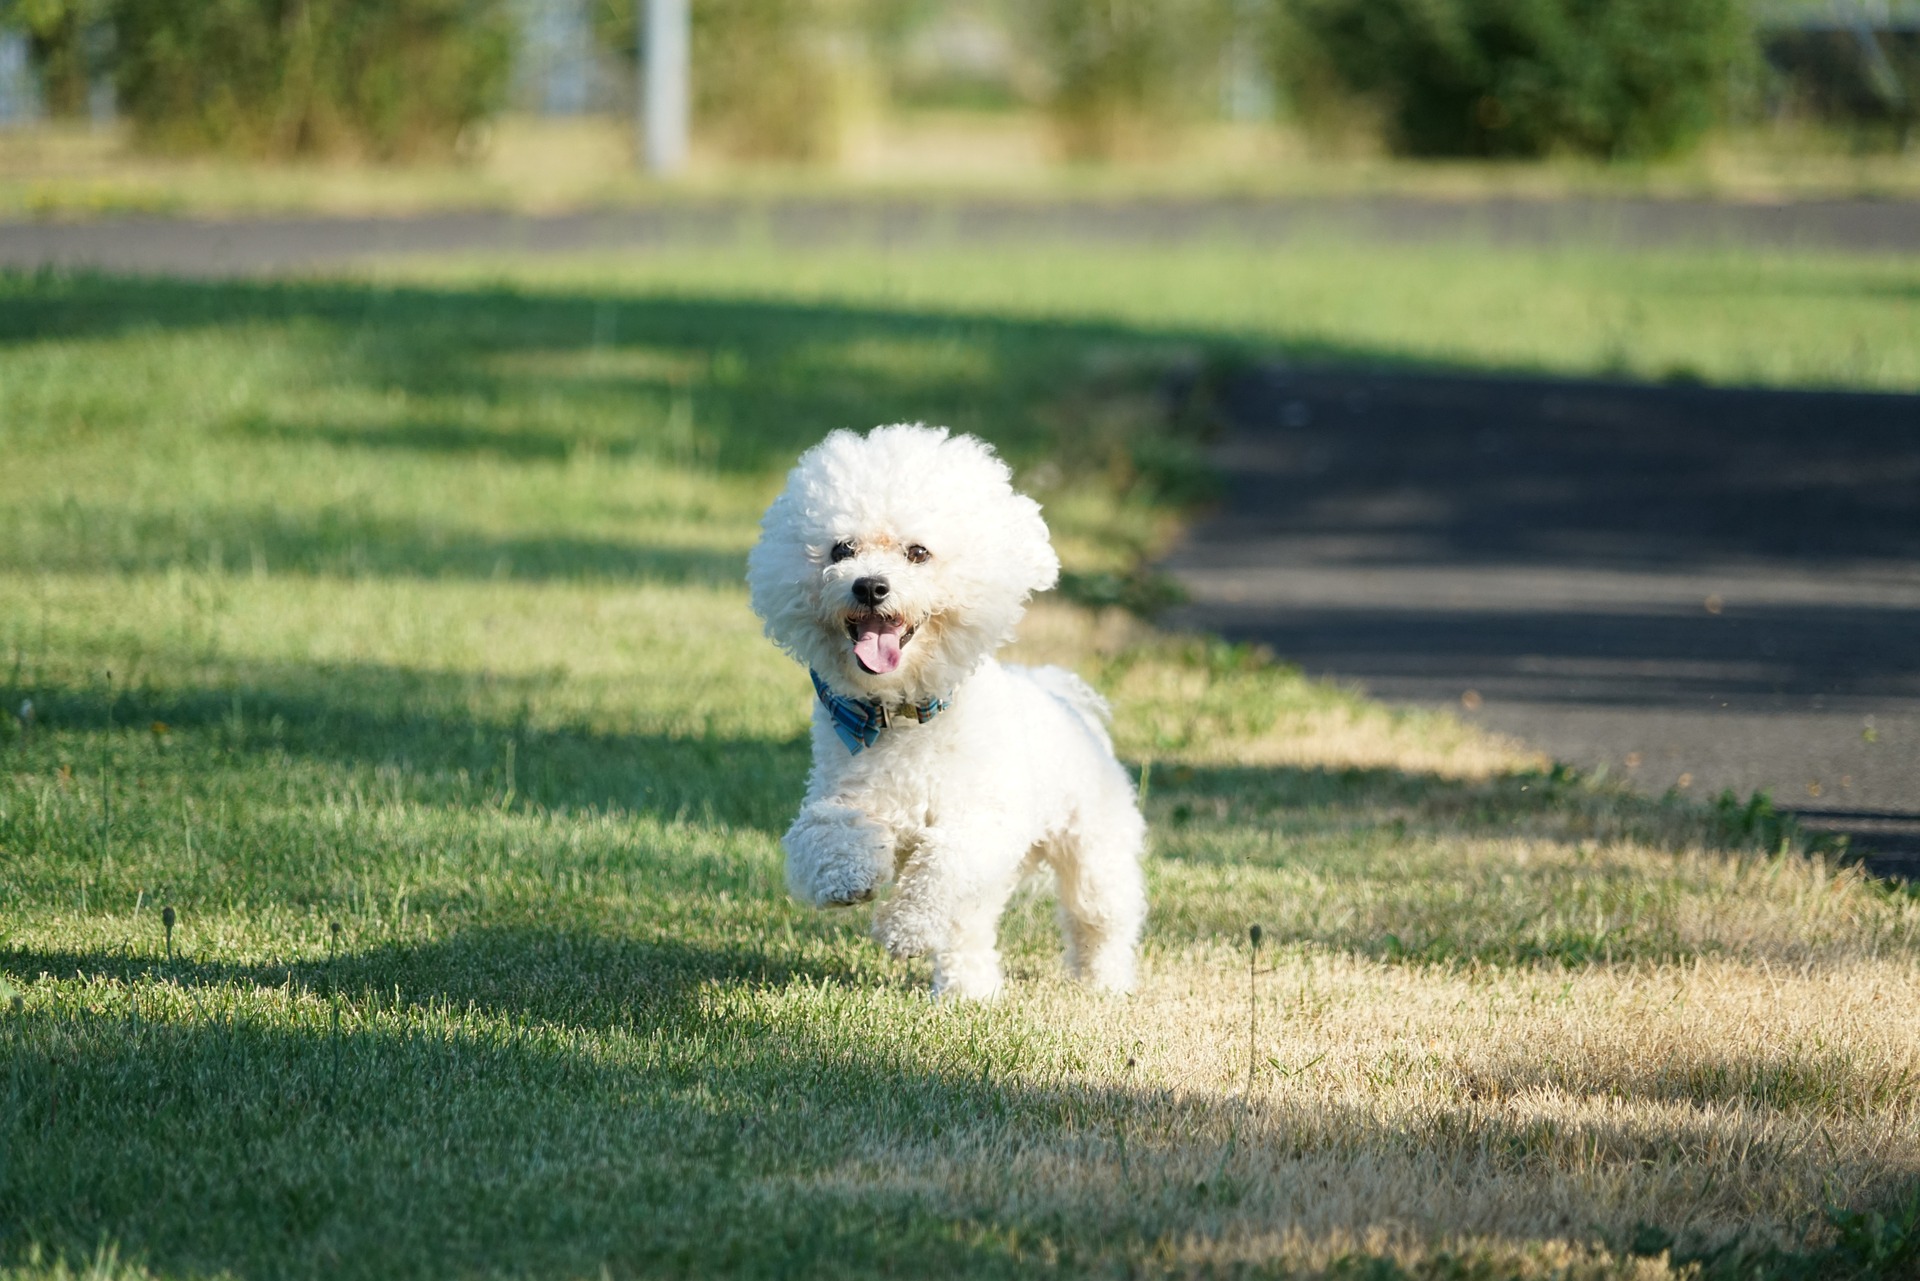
665, 100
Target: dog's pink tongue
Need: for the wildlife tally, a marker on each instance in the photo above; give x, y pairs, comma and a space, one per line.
877, 645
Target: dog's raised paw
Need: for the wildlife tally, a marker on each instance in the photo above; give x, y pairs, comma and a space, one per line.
902, 934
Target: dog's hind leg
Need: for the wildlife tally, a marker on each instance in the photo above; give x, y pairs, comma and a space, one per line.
1103, 897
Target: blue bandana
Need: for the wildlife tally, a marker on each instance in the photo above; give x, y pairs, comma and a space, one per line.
859, 722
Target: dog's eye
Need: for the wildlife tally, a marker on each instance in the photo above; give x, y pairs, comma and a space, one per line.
918, 554
841, 550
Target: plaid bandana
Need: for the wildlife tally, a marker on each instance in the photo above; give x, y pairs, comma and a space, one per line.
859, 722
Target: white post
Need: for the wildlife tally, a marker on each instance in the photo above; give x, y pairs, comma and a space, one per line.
664, 109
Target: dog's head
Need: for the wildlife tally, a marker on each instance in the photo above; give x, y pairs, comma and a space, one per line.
892, 563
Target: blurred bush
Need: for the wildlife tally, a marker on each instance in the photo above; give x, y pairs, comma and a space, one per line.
1523, 78
765, 84
762, 85
1123, 72
384, 78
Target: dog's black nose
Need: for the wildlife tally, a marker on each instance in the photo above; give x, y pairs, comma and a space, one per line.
871, 592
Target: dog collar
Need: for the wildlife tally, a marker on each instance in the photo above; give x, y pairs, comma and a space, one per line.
858, 721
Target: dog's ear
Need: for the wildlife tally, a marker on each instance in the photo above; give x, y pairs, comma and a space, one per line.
1032, 547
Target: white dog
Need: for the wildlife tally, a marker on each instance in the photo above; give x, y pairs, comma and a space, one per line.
892, 566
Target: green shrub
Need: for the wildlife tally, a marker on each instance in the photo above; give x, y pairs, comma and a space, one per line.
385, 78
1122, 71
763, 85
1610, 78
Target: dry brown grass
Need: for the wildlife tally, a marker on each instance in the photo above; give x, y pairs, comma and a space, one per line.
542, 165
1506, 1113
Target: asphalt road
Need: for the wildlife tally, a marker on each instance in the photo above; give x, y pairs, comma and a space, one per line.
226, 247
1703, 589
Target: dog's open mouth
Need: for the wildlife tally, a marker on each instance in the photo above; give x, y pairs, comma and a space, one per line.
877, 641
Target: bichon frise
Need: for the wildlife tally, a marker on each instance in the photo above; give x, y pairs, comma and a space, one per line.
892, 566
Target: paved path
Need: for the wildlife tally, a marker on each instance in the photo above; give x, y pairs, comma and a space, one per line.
1693, 588
252, 246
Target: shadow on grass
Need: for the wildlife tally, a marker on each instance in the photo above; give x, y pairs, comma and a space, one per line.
525, 974
730, 387
1558, 804
426, 435
460, 1118
1382, 863
512, 1100
433, 738
768, 378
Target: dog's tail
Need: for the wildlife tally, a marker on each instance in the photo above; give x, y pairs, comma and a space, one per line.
1079, 697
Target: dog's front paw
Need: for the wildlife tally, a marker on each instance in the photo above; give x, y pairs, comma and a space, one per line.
836, 856
903, 932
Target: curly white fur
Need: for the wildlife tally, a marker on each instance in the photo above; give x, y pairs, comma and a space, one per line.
1017, 772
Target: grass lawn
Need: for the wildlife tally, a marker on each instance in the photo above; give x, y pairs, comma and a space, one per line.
387, 636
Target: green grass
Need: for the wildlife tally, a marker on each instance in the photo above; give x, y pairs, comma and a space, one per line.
1734, 316
390, 633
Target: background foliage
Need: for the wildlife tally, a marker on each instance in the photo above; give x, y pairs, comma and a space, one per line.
790, 79
383, 78
1610, 78
763, 85
1120, 72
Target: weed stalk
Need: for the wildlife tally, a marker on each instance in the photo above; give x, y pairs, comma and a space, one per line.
333, 999
106, 788
1254, 935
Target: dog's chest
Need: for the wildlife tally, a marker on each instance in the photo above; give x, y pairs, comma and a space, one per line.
900, 780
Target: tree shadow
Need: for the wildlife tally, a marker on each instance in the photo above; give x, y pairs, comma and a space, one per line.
512, 1100
506, 1137
550, 974
689, 389
1587, 499
1373, 862
435, 738
1457, 469
766, 378
1719, 582
1556, 802
426, 435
